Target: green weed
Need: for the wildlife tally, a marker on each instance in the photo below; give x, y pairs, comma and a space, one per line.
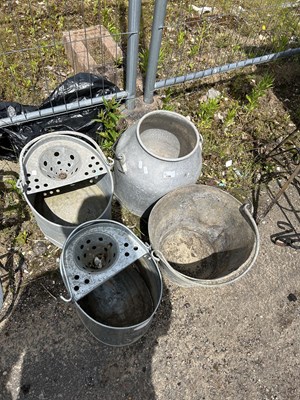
206, 112
110, 118
258, 91
21, 238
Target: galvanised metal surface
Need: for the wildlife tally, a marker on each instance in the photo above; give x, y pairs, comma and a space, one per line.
203, 236
161, 152
95, 252
78, 178
124, 290
55, 160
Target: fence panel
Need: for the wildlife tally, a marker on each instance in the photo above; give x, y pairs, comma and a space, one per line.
44, 42
221, 36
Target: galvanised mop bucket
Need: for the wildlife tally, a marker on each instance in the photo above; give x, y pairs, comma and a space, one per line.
161, 152
203, 236
66, 180
112, 280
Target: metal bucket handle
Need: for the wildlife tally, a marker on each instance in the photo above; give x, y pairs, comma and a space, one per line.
109, 161
183, 280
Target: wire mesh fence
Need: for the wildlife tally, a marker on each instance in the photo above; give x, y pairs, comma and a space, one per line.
219, 37
44, 42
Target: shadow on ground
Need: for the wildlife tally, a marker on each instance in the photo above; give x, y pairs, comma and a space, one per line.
48, 354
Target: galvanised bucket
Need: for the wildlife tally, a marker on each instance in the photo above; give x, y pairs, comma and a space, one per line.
203, 236
66, 180
161, 152
112, 280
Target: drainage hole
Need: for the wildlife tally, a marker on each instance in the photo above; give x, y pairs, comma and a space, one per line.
78, 258
110, 244
101, 239
114, 255
135, 248
36, 180
97, 162
126, 244
76, 169
126, 254
51, 169
28, 174
93, 171
84, 255
56, 154
76, 288
76, 277
37, 187
27, 182
105, 249
93, 158
82, 246
86, 173
94, 247
90, 165
28, 189
69, 165
86, 281
101, 169
45, 184
88, 241
72, 157
58, 162
45, 163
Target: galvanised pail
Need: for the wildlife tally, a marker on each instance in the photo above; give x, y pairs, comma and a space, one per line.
66, 180
203, 236
112, 280
161, 152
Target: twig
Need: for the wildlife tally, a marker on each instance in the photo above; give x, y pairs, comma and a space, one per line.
48, 291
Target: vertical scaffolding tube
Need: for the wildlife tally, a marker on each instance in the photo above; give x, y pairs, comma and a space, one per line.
134, 17
156, 37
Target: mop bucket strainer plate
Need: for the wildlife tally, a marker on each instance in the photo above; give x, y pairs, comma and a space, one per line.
203, 236
95, 252
57, 160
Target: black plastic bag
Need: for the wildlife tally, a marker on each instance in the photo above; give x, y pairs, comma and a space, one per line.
78, 87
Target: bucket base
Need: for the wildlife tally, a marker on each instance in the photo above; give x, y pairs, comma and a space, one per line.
122, 301
72, 207
189, 252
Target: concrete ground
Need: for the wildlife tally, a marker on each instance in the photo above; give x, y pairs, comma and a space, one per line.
237, 342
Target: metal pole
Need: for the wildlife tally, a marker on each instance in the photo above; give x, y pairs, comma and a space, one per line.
156, 37
225, 68
134, 17
63, 109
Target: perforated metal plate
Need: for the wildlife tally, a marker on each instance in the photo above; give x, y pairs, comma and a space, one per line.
59, 160
95, 253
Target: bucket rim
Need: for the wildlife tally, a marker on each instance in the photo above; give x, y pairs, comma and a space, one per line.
199, 139
187, 281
